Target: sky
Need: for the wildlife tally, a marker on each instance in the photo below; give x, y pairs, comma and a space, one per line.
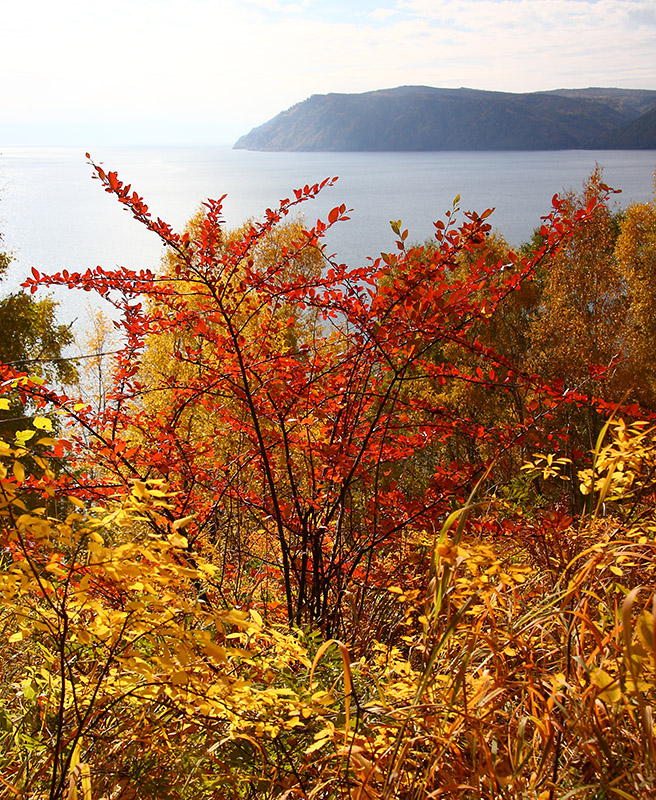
84, 72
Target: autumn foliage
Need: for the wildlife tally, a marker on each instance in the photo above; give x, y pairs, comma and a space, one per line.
337, 532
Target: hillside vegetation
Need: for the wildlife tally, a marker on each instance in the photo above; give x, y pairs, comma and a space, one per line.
316, 530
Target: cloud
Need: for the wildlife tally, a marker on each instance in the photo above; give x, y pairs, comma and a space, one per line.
643, 15
380, 14
199, 65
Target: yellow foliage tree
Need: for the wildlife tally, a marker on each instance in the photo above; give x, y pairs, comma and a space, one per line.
581, 314
112, 641
635, 252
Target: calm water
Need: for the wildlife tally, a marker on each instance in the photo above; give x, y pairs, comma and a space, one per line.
53, 216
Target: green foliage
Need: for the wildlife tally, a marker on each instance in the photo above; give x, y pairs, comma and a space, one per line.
31, 340
30, 337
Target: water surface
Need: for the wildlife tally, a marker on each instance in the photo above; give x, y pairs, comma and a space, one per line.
54, 216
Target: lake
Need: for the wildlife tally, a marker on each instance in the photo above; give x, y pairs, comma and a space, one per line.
53, 216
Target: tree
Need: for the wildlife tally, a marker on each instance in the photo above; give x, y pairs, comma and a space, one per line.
182, 355
635, 251
31, 340
30, 337
580, 319
319, 405
506, 331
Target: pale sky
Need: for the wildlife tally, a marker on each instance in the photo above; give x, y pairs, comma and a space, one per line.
84, 72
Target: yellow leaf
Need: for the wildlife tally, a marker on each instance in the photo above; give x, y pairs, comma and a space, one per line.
17, 637
42, 423
610, 690
4, 404
316, 746
19, 471
215, 651
178, 541
179, 677
140, 490
182, 523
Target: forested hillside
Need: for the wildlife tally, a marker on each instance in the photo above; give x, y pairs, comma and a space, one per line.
318, 530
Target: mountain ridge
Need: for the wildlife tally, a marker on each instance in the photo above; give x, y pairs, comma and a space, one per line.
424, 118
